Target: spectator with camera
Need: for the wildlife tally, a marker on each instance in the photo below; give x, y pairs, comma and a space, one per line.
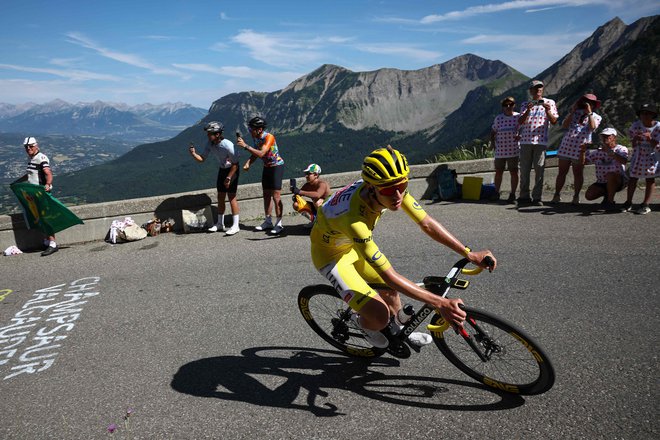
227, 182
581, 123
536, 116
610, 160
314, 188
265, 147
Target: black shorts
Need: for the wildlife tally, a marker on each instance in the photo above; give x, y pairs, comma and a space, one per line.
220, 184
603, 186
271, 178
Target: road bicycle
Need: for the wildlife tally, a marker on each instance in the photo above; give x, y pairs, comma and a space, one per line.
487, 348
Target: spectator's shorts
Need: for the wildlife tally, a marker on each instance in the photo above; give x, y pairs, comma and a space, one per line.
271, 178
603, 185
570, 159
510, 163
220, 184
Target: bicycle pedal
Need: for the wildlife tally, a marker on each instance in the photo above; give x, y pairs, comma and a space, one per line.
416, 348
399, 350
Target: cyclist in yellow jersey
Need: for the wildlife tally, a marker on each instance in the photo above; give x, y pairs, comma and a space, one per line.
344, 252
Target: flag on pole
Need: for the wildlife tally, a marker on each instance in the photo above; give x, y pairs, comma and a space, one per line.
43, 211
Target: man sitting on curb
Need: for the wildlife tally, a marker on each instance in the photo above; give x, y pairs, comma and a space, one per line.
316, 189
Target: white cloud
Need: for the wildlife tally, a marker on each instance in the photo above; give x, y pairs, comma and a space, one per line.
70, 74
530, 54
528, 5
530, 42
125, 58
286, 51
243, 72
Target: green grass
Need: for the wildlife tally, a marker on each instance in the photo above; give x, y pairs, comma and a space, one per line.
477, 149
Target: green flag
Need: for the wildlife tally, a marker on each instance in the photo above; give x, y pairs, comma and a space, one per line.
43, 211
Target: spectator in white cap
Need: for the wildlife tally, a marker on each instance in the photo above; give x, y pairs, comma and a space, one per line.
39, 173
610, 160
645, 136
314, 188
536, 116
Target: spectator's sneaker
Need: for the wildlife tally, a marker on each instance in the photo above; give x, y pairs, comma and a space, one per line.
233, 230
511, 199
374, 337
643, 209
576, 200
524, 201
537, 202
50, 250
268, 224
276, 230
626, 207
420, 339
556, 199
216, 227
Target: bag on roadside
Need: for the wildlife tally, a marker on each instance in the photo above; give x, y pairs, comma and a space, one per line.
447, 185
132, 233
125, 230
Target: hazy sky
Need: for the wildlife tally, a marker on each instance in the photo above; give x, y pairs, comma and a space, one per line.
198, 51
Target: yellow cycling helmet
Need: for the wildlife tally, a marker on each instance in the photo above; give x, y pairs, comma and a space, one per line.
385, 166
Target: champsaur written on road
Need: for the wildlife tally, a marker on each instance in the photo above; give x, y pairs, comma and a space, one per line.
31, 342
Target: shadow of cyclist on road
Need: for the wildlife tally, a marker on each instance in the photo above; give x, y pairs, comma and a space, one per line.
263, 376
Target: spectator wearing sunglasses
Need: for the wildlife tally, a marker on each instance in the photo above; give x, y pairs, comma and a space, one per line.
581, 123
535, 118
314, 188
265, 147
343, 249
504, 136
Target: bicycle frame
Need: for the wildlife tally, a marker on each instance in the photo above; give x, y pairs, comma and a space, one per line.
441, 286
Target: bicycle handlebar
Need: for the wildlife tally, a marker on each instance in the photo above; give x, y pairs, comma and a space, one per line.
477, 270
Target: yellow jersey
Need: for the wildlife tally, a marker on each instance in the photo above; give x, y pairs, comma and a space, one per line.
345, 222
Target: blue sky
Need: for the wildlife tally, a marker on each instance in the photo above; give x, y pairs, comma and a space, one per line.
198, 51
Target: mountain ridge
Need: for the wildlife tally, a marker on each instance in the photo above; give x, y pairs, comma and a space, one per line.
324, 116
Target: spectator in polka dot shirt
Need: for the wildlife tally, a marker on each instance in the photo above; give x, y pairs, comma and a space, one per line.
581, 122
645, 135
504, 136
537, 115
610, 160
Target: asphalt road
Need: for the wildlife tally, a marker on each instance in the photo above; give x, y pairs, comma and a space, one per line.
199, 335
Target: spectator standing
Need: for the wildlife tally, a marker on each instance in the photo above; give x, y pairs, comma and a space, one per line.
314, 188
536, 116
504, 135
610, 161
645, 135
39, 173
581, 123
227, 182
265, 147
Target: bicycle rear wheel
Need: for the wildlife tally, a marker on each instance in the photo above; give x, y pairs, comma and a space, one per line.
495, 353
327, 315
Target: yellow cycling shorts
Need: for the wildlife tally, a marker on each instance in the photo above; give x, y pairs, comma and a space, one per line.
351, 275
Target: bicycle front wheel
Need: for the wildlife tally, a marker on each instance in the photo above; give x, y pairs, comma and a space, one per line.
495, 352
328, 316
